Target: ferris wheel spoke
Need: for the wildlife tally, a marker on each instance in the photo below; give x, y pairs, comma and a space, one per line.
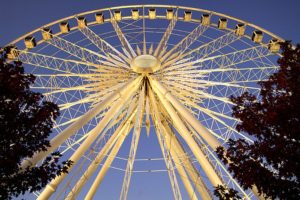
91, 93
203, 83
134, 143
124, 95
209, 137
194, 103
53, 90
113, 62
227, 60
234, 58
59, 125
165, 97
230, 77
186, 98
222, 122
219, 114
183, 45
195, 92
218, 165
231, 84
144, 33
115, 120
54, 63
209, 48
77, 101
164, 146
163, 42
60, 87
126, 45
207, 71
67, 185
55, 142
74, 103
79, 52
183, 161
240, 76
104, 46
106, 165
115, 140
92, 98
182, 173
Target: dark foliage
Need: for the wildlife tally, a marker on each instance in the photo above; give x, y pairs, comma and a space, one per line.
25, 124
224, 193
273, 120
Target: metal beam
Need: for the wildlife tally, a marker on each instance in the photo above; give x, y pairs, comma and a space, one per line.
134, 143
121, 130
209, 138
186, 162
73, 49
105, 167
184, 132
104, 46
128, 50
165, 148
65, 134
184, 44
163, 42
125, 95
206, 49
53, 63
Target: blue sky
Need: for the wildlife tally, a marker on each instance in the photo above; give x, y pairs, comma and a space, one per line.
20, 17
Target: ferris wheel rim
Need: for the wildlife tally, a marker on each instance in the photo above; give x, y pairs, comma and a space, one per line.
142, 6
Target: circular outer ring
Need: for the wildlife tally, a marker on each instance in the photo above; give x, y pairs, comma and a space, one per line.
147, 6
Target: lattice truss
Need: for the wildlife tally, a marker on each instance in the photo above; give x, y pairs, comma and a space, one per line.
185, 103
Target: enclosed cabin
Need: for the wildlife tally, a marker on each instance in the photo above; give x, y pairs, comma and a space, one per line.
12, 53
187, 16
222, 24
99, 18
240, 29
205, 19
47, 34
274, 45
257, 36
30, 42
64, 27
152, 13
135, 14
118, 15
81, 22
169, 13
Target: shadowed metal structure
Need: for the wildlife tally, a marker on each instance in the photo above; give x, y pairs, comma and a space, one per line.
145, 69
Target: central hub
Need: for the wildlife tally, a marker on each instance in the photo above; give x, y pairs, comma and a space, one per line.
145, 64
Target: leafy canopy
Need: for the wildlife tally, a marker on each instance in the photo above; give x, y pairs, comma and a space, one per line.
272, 162
26, 121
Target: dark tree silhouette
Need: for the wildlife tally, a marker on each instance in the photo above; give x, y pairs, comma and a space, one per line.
225, 193
273, 120
25, 124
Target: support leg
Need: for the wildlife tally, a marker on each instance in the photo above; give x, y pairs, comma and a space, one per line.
106, 166
183, 131
124, 96
65, 134
104, 151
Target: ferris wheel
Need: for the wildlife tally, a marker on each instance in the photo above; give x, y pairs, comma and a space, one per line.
145, 89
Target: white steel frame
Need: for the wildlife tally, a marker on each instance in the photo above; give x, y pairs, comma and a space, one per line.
186, 102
